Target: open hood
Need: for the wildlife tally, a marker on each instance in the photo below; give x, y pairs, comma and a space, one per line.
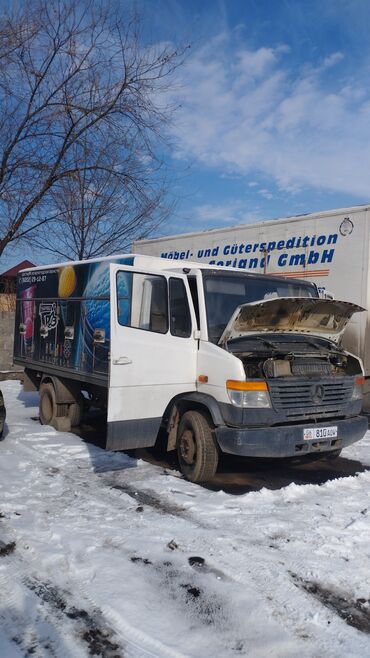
305, 315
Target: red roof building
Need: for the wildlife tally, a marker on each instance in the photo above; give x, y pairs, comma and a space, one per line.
8, 279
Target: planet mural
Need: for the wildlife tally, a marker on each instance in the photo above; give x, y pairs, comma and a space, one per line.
67, 281
96, 306
96, 314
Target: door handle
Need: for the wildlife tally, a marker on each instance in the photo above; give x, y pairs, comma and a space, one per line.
121, 361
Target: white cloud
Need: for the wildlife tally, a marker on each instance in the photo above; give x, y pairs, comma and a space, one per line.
252, 112
266, 193
222, 214
332, 59
254, 63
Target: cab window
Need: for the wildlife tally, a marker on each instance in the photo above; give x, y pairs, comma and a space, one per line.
142, 301
180, 318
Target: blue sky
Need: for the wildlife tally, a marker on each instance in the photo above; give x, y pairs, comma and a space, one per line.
274, 108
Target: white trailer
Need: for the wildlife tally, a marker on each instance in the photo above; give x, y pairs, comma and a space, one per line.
329, 248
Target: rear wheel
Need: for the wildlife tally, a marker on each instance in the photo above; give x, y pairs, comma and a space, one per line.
196, 447
75, 410
47, 404
56, 410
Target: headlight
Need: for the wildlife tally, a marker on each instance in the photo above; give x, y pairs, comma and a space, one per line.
248, 394
358, 388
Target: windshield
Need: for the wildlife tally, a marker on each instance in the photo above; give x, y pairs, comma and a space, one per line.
224, 292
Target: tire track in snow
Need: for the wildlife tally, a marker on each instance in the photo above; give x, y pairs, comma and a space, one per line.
90, 492
137, 644
112, 482
273, 580
36, 636
355, 612
188, 596
52, 622
29, 625
76, 616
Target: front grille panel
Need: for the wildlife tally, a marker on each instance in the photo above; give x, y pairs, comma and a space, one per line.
299, 398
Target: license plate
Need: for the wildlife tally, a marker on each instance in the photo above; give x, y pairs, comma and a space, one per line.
314, 433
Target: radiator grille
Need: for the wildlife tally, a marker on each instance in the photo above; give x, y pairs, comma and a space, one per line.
299, 398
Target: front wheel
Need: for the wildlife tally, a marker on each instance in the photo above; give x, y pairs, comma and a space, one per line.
196, 447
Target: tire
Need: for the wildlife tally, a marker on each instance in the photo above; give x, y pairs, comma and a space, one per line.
196, 447
47, 404
75, 411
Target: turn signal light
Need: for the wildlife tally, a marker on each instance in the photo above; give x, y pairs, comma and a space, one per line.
358, 391
235, 385
253, 394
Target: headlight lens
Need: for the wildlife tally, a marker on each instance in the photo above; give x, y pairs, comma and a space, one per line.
256, 399
248, 394
358, 392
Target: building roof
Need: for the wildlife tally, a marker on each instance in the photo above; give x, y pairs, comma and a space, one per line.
12, 273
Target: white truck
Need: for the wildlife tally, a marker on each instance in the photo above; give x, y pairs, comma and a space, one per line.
329, 248
222, 360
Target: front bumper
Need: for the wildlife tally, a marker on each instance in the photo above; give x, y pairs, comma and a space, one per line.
287, 440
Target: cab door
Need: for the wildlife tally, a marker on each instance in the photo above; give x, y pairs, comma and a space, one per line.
153, 352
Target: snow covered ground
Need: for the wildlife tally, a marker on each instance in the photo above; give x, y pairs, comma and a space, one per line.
102, 554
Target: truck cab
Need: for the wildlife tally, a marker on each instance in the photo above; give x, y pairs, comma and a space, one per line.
229, 362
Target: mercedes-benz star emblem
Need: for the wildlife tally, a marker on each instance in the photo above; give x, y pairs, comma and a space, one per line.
317, 394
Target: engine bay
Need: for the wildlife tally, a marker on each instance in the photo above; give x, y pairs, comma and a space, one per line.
282, 355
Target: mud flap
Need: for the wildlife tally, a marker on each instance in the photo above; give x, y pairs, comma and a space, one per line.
131, 434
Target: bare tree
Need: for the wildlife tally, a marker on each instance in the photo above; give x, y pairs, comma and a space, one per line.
95, 215
80, 122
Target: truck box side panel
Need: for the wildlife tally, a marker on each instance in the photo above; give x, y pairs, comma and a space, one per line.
312, 246
63, 319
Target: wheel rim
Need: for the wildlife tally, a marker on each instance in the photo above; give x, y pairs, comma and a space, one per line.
188, 447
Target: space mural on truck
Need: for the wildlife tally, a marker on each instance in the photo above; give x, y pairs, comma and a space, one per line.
63, 316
